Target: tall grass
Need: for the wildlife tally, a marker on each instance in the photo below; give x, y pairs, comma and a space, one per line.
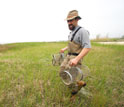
28, 79
105, 39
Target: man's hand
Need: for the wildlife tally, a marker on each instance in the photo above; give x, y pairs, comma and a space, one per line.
63, 50
73, 62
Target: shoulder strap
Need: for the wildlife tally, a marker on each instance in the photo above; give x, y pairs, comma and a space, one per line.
74, 34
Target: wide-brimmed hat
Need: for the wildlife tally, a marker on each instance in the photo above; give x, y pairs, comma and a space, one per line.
72, 14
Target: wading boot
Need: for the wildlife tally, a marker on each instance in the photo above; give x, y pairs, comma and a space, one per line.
80, 84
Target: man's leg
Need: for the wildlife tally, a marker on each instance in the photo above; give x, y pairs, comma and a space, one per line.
78, 85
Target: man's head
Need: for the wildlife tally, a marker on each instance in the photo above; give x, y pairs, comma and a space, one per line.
72, 19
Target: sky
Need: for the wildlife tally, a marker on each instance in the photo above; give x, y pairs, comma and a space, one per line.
44, 20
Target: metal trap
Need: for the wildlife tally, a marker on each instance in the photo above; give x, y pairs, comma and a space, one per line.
71, 75
57, 59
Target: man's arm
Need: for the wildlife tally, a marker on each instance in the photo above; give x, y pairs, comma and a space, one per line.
63, 49
84, 52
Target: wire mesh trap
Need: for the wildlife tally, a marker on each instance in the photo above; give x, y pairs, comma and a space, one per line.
57, 59
71, 75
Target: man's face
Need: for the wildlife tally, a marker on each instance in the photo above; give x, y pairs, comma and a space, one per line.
72, 24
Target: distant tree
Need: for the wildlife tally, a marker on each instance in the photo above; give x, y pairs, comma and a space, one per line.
97, 36
122, 37
107, 35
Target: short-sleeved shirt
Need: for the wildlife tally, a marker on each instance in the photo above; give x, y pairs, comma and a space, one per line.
81, 37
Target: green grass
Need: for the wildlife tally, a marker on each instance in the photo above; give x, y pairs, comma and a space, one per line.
108, 40
28, 79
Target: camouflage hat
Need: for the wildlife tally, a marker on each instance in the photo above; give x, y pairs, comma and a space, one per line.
73, 14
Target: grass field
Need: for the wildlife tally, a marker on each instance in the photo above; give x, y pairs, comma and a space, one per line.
28, 79
108, 40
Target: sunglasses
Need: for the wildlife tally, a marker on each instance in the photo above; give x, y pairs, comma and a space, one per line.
70, 20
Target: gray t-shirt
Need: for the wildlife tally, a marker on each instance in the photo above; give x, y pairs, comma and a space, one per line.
81, 37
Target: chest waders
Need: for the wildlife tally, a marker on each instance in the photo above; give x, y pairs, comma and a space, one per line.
74, 50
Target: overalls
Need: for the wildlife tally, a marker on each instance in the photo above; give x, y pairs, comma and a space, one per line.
73, 50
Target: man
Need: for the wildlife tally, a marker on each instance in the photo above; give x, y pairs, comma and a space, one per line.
78, 46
